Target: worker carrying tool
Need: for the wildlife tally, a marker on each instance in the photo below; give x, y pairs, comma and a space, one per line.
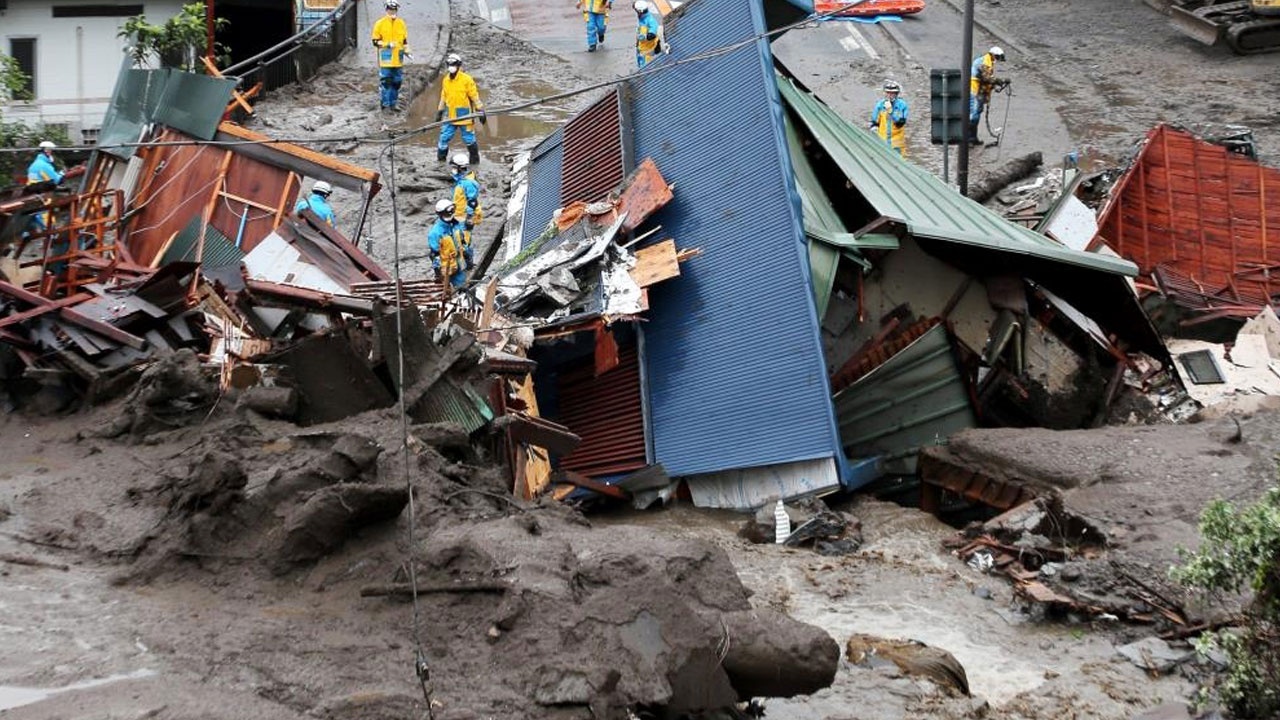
649, 39
391, 38
596, 14
466, 199
445, 242
318, 202
460, 102
889, 118
982, 80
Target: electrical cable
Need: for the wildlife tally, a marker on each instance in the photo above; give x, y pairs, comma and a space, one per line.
421, 667
381, 137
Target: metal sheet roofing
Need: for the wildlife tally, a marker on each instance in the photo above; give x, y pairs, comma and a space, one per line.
545, 166
928, 207
733, 361
1200, 210
593, 158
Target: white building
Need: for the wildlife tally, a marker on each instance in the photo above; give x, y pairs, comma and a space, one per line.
71, 50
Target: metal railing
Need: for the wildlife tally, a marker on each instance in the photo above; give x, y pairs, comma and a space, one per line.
299, 57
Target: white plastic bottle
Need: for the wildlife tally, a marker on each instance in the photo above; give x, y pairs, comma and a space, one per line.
781, 523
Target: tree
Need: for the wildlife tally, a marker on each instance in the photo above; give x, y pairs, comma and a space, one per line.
1240, 550
14, 84
180, 42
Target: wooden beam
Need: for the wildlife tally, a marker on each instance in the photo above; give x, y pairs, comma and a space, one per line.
301, 153
538, 431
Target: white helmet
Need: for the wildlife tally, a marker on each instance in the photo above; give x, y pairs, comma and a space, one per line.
460, 162
997, 52
453, 59
47, 145
322, 188
641, 6
445, 207
391, 5
892, 86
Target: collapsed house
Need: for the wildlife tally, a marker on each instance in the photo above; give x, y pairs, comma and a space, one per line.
843, 309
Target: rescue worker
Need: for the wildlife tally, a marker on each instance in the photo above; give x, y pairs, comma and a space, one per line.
391, 38
596, 15
466, 199
444, 240
460, 100
42, 168
318, 202
982, 80
889, 118
648, 32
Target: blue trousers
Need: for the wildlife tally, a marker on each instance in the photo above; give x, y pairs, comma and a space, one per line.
595, 28
976, 105
390, 78
446, 134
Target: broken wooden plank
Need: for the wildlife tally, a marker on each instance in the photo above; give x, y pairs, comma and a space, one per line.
656, 263
66, 313
538, 431
582, 481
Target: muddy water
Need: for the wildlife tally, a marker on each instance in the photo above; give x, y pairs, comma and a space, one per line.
903, 584
13, 696
505, 131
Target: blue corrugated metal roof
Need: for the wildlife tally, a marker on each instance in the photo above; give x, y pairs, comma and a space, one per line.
545, 164
734, 363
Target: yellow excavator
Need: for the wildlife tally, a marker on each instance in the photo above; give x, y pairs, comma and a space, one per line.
1245, 26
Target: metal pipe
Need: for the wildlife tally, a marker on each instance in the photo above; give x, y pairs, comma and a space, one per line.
966, 135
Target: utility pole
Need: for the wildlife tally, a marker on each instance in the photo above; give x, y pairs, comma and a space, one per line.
208, 31
962, 162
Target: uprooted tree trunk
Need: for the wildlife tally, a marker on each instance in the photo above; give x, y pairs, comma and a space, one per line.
1010, 172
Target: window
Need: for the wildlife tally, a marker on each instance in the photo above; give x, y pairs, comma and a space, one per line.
24, 51
89, 136
65, 11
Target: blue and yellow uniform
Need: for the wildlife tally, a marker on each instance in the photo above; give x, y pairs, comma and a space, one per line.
460, 104
42, 170
316, 203
648, 35
466, 198
982, 79
391, 38
596, 14
889, 120
448, 251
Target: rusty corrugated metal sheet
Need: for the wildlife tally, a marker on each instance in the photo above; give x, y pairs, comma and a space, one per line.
592, 152
1194, 207
606, 412
876, 356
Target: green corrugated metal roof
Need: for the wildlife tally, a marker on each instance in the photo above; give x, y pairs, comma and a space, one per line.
906, 193
821, 224
447, 402
219, 251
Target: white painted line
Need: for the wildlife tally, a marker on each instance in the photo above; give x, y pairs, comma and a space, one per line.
849, 44
862, 42
500, 15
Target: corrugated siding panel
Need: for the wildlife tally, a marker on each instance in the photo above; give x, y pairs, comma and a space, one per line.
450, 403
912, 400
733, 360
606, 413
543, 199
1199, 209
592, 152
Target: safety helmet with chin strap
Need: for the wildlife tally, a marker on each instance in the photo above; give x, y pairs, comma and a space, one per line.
997, 52
892, 86
391, 5
641, 7
445, 208
47, 145
460, 162
322, 188
453, 59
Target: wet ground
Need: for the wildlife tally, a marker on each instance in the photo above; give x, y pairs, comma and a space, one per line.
1092, 75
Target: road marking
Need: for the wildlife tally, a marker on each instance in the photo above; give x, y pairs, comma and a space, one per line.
499, 16
856, 40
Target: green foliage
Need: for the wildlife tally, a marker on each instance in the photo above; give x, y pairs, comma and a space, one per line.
1241, 551
180, 42
16, 134
13, 82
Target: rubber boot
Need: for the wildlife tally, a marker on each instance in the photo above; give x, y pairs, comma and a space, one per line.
474, 151
441, 153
